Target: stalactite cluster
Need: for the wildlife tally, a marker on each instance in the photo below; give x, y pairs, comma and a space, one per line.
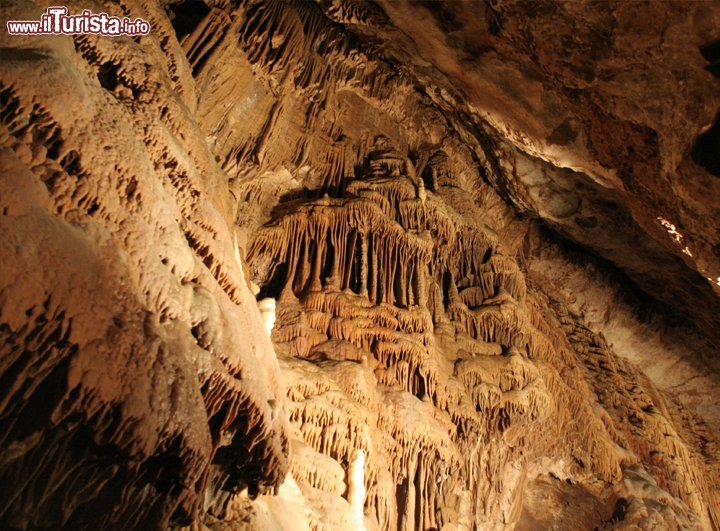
386, 285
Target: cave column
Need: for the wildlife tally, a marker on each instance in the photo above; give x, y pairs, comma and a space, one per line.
421, 272
364, 265
411, 280
315, 284
356, 489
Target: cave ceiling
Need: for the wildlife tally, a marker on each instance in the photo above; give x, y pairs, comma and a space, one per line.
342, 264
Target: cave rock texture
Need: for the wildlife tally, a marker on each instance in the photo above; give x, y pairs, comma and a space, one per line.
349, 265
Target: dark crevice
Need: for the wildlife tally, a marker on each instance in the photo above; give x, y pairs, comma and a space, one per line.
620, 509
71, 162
711, 51
185, 17
108, 75
276, 284
706, 151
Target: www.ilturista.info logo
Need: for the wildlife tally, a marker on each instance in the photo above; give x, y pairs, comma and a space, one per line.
56, 21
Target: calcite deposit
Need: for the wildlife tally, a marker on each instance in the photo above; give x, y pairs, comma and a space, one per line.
317, 265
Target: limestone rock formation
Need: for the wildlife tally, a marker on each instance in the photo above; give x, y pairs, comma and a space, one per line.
339, 264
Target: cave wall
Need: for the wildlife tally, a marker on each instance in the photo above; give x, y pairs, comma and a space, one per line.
482, 236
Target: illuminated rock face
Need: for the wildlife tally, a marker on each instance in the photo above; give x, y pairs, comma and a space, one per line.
314, 266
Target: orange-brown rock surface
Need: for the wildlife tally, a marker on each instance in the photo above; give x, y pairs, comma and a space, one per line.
337, 264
